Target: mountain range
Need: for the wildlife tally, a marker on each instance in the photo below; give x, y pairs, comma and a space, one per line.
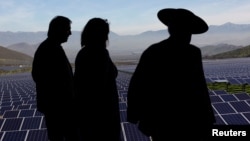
227, 36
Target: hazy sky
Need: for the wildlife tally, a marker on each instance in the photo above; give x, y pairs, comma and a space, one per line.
126, 17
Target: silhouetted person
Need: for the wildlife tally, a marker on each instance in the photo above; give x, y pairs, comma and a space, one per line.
53, 77
95, 83
168, 95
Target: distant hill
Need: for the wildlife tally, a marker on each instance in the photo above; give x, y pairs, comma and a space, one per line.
216, 49
23, 47
131, 46
237, 53
10, 57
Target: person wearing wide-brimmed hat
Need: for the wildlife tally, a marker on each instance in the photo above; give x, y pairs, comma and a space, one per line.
167, 95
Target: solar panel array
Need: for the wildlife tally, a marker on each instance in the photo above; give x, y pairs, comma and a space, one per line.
235, 71
20, 121
231, 109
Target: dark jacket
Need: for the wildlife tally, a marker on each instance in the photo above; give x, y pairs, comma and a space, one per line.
96, 93
168, 90
53, 76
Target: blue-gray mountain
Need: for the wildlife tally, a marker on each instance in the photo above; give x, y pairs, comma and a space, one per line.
124, 46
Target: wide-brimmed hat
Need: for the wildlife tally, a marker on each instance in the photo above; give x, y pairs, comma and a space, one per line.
184, 19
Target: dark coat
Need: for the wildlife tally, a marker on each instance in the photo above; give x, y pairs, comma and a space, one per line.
168, 94
96, 94
53, 76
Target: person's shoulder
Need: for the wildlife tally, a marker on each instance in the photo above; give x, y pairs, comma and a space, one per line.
156, 46
152, 50
43, 44
194, 47
195, 50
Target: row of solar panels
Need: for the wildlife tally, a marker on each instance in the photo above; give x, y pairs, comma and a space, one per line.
229, 109
21, 122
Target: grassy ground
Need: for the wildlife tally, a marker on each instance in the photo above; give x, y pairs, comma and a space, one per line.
19, 70
229, 88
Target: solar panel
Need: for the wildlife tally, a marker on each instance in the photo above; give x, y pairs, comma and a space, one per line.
31, 102
17, 103
6, 103
33, 106
223, 108
11, 114
1, 134
242, 96
215, 99
247, 80
240, 106
133, 134
235, 119
247, 115
208, 80
228, 108
37, 135
27, 113
248, 101
31, 123
215, 112
5, 108
37, 113
43, 125
241, 80
211, 92
12, 124
228, 98
123, 116
14, 136
123, 105
27, 106
219, 120
233, 81
1, 122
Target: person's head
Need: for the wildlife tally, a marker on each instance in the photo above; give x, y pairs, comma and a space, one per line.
59, 29
182, 23
95, 32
